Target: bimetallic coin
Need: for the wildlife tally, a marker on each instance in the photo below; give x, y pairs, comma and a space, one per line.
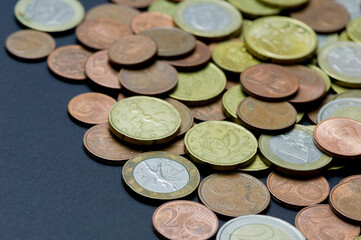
353, 30
258, 227
256, 166
209, 19
318, 222
49, 15
346, 107
281, 39
134, 3
100, 143
293, 152
163, 6
342, 61
234, 194
108, 10
210, 112
186, 116
223, 145
161, 175
230, 101
30, 44
312, 115
147, 20
200, 87
325, 39
144, 120
298, 192
349, 94
185, 220
254, 8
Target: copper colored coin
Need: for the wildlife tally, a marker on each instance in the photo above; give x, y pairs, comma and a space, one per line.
69, 61
175, 146
234, 194
121, 96
197, 59
185, 220
171, 42
186, 116
30, 44
98, 69
156, 79
311, 85
323, 16
353, 178
210, 112
101, 144
132, 50
269, 82
231, 84
91, 108
148, 20
134, 3
108, 10
101, 33
318, 222
339, 137
298, 192
312, 115
267, 117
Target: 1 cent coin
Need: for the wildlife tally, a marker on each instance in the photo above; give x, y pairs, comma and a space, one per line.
234, 194
269, 82
154, 80
148, 20
30, 44
186, 116
91, 108
209, 112
185, 220
134, 3
108, 10
69, 61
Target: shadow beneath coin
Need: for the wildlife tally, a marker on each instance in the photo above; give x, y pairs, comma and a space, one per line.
77, 122
66, 80
24, 60
100, 89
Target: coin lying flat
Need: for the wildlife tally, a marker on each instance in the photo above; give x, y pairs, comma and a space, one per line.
221, 144
234, 194
163, 6
108, 10
285, 3
349, 94
318, 222
346, 107
353, 7
185, 220
144, 120
210, 112
353, 29
161, 175
258, 227
230, 101
353, 178
147, 20
30, 44
254, 8
324, 76
134, 3
256, 166
186, 116
312, 115
175, 146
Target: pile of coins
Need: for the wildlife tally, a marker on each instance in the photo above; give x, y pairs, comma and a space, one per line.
197, 81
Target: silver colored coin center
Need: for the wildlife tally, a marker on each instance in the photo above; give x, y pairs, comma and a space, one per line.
346, 61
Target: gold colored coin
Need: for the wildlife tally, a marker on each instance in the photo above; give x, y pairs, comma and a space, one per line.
230, 101
285, 3
246, 24
254, 8
163, 6
339, 89
344, 37
353, 29
256, 166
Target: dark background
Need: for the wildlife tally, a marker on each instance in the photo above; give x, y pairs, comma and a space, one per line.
49, 187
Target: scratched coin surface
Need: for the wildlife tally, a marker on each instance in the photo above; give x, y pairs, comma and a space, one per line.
269, 82
267, 117
340, 137
101, 33
134, 3
30, 44
298, 192
293, 152
156, 79
230, 101
100, 143
234, 194
161, 175
209, 112
185, 114
91, 108
108, 10
258, 227
185, 220
144, 120
221, 144
318, 222
345, 107
69, 61
132, 50
147, 20
49, 15
98, 69
313, 114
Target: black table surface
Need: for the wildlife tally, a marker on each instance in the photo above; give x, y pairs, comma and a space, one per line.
50, 188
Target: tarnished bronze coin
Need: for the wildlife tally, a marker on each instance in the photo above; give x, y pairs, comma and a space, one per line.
108, 10
269, 82
210, 112
134, 3
98, 69
266, 116
320, 16
133, 50
100, 143
297, 192
185, 220
185, 114
69, 61
339, 137
197, 59
91, 108
311, 85
234, 194
101, 33
156, 79
318, 222
353, 178
148, 20
171, 42
30, 44
312, 115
